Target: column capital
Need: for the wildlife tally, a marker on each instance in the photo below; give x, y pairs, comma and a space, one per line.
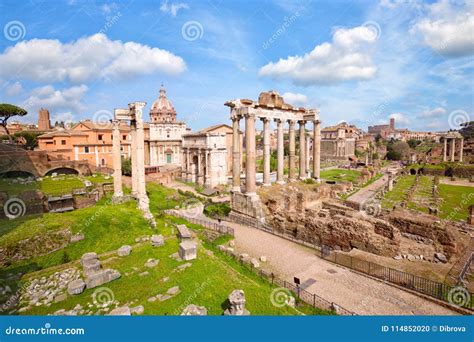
265, 119
235, 118
291, 122
317, 122
278, 120
115, 123
302, 122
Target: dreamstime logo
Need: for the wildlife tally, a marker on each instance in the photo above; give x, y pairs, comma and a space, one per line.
102, 115
192, 207
459, 296
457, 118
280, 297
192, 30
14, 208
371, 207
373, 30
14, 30
103, 296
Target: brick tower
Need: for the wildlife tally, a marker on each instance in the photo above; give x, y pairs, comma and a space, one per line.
44, 124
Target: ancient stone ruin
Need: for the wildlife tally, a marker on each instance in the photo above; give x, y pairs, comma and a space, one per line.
237, 304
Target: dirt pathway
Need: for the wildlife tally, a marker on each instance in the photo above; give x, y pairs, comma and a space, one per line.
353, 291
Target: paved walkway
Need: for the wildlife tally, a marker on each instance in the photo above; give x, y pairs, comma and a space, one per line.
353, 291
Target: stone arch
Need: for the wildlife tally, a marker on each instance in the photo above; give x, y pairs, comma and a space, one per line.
63, 171
413, 172
16, 174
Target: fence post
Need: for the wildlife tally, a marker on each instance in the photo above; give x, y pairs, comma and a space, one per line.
273, 276
314, 300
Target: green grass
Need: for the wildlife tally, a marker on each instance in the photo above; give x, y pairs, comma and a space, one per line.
422, 197
456, 201
398, 193
341, 175
208, 282
99, 178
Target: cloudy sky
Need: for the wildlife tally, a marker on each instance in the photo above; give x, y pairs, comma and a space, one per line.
357, 61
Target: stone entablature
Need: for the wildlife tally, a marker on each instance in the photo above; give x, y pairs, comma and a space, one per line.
450, 140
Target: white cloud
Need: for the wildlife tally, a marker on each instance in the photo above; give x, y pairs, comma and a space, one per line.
68, 99
173, 8
88, 58
295, 99
13, 89
399, 118
108, 8
448, 28
347, 57
433, 113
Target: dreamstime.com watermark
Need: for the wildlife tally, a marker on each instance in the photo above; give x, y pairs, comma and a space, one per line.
192, 30
14, 208
46, 330
459, 296
287, 21
281, 297
199, 289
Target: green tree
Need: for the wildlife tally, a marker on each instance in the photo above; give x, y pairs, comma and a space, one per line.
8, 111
126, 167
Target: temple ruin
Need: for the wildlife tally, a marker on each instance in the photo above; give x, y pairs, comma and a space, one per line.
269, 107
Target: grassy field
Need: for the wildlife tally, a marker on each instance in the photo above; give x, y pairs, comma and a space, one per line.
422, 197
106, 227
455, 200
341, 175
398, 193
62, 184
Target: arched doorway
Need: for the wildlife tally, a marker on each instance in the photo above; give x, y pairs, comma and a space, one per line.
62, 171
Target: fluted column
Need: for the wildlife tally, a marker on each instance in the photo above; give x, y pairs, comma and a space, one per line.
207, 175
117, 160
280, 152
308, 159
140, 147
250, 185
461, 149
316, 149
133, 158
453, 147
266, 152
302, 150
445, 149
291, 166
236, 154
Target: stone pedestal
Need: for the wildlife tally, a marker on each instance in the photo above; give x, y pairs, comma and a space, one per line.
248, 205
188, 250
237, 304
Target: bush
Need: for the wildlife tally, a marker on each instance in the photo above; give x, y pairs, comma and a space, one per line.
217, 210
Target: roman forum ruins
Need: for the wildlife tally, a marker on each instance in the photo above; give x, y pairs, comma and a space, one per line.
270, 106
134, 115
450, 140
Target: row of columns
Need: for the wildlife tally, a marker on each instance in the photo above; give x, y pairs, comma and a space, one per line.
250, 172
452, 148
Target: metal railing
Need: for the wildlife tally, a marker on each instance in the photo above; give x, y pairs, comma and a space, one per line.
309, 298
410, 281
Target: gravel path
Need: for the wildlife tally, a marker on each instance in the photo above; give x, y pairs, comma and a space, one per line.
353, 291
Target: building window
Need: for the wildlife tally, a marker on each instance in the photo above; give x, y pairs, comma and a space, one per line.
86, 149
100, 136
103, 161
168, 158
124, 137
63, 142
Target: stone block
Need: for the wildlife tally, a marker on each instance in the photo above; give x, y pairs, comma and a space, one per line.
102, 277
188, 250
173, 290
237, 304
194, 310
152, 263
137, 310
124, 250
88, 256
183, 232
91, 266
254, 262
120, 311
76, 287
157, 240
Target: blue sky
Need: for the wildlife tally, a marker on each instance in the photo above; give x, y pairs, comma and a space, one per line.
357, 61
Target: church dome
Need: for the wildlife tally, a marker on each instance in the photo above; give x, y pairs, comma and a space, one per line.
162, 109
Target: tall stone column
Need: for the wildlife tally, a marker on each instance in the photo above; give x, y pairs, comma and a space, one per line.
207, 180
199, 179
280, 152
143, 200
133, 157
117, 160
317, 149
445, 149
291, 166
236, 154
302, 150
461, 149
308, 155
453, 147
250, 185
266, 152
188, 166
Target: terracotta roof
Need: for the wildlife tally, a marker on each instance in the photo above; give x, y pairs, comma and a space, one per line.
100, 125
62, 133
